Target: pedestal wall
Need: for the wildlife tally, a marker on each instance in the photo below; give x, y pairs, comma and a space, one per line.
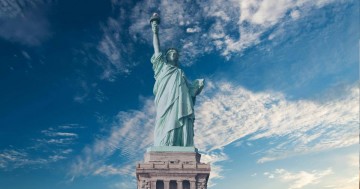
172, 170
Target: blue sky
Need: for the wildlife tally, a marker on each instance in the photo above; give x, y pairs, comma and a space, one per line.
280, 108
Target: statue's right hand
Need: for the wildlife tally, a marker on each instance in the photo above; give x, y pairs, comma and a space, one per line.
155, 27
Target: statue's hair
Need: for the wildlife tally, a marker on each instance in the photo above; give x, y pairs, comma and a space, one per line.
171, 48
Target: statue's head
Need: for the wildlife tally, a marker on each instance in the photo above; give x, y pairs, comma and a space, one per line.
172, 56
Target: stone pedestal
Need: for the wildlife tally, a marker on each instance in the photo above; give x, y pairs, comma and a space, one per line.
172, 168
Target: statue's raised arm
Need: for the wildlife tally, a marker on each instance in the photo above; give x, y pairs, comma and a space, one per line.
155, 21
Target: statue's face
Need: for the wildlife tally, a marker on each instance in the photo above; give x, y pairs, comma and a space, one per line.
172, 56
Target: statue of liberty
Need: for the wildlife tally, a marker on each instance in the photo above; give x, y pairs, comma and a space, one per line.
174, 96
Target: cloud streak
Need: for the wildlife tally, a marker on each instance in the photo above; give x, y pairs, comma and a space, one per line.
130, 134
227, 113
114, 50
52, 146
13, 159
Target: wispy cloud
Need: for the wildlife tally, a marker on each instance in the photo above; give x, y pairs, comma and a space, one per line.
124, 185
214, 158
231, 26
24, 21
106, 170
12, 159
180, 23
51, 146
227, 113
128, 137
299, 179
52, 133
70, 126
89, 91
114, 50
56, 136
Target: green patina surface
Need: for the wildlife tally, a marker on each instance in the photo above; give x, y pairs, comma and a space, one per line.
174, 98
171, 149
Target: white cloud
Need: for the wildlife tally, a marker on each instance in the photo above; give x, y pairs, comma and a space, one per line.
269, 175
258, 17
227, 113
239, 24
193, 30
197, 28
299, 179
63, 134
267, 13
56, 136
179, 25
295, 14
52, 133
67, 151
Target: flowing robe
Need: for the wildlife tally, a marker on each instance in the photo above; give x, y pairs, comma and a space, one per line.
174, 103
